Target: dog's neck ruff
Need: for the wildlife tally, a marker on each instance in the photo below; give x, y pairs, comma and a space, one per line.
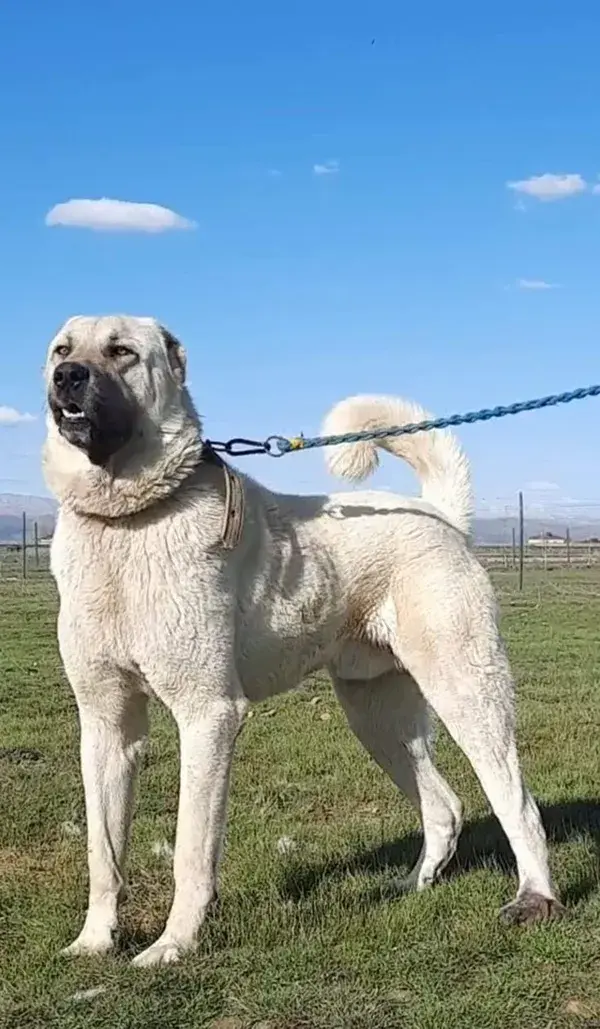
112, 495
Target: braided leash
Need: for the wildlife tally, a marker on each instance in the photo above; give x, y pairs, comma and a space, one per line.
277, 446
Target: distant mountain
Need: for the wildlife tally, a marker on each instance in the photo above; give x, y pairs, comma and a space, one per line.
496, 531
16, 503
37, 509
487, 531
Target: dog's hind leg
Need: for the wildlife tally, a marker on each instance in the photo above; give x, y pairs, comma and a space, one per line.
390, 718
453, 649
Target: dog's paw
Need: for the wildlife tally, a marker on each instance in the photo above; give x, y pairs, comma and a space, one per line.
530, 908
414, 882
90, 943
163, 952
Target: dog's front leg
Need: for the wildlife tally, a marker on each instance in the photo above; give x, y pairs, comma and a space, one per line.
113, 729
208, 727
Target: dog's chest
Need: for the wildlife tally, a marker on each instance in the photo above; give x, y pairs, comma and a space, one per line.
109, 585
137, 598
91, 574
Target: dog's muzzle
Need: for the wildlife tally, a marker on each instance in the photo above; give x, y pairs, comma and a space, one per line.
90, 409
70, 382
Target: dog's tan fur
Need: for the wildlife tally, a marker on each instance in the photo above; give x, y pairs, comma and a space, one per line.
380, 589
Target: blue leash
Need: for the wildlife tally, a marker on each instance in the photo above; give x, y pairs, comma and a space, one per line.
277, 446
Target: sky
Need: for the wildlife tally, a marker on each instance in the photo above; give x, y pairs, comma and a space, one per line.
319, 199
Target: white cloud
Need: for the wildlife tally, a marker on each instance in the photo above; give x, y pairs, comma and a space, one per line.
274, 173
10, 416
327, 168
536, 284
550, 187
106, 215
542, 486
596, 188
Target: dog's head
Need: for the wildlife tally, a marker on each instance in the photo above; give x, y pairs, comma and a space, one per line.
107, 378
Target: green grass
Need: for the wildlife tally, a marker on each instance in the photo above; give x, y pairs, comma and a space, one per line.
307, 939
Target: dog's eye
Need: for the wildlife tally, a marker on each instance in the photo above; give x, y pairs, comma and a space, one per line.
120, 351
63, 350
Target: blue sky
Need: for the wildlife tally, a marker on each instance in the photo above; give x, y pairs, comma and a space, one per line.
346, 168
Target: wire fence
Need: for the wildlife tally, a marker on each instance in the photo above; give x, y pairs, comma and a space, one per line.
549, 556
538, 530
27, 557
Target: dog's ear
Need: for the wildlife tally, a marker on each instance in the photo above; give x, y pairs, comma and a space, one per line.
175, 354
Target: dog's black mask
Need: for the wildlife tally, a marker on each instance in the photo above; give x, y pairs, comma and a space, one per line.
91, 409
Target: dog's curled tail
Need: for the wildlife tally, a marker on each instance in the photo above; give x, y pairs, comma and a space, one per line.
435, 456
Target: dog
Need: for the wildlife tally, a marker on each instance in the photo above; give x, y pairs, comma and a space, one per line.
382, 591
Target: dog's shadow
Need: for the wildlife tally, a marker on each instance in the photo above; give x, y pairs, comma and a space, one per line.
482, 843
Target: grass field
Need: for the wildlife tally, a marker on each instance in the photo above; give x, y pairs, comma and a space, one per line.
305, 937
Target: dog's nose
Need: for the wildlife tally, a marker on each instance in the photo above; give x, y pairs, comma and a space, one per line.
70, 374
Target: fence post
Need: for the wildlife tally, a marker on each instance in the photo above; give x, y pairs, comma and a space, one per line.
521, 541
514, 547
36, 543
568, 542
24, 544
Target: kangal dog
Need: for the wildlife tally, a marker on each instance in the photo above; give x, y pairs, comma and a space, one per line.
381, 590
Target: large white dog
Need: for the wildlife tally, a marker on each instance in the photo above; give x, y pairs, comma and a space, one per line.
381, 590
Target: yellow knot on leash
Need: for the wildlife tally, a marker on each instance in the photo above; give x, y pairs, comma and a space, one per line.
296, 442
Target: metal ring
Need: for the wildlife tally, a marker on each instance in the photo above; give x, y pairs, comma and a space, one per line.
277, 446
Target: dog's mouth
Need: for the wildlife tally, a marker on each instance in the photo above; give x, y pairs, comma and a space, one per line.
73, 420
98, 420
68, 415
73, 413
